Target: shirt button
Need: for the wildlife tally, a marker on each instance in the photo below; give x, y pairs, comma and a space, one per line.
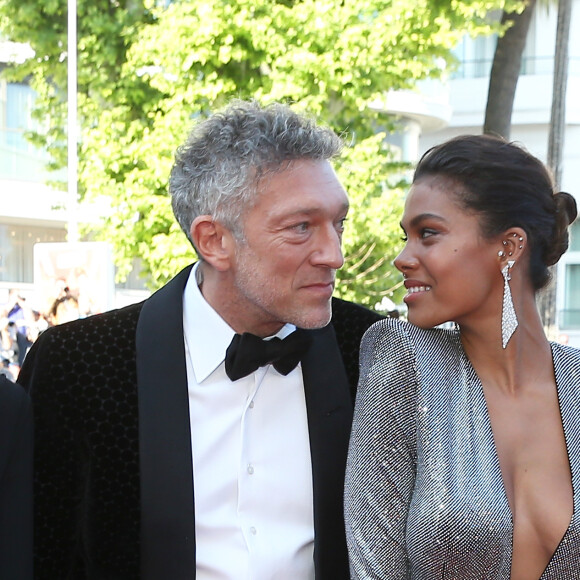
251, 469
253, 531
251, 405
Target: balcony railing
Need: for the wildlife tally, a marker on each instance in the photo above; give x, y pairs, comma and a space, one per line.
537, 65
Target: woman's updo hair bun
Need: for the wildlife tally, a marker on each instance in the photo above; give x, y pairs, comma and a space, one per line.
566, 213
507, 187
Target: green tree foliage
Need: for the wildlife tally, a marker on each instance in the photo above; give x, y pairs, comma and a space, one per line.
146, 71
372, 238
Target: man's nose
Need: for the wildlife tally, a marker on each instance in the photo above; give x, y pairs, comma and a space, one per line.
328, 250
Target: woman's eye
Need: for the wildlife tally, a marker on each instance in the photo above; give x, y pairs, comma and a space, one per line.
404, 238
427, 233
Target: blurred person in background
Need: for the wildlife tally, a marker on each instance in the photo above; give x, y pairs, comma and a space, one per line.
20, 315
64, 309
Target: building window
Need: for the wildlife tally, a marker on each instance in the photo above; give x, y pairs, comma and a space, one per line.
17, 250
475, 55
569, 281
571, 311
575, 237
19, 159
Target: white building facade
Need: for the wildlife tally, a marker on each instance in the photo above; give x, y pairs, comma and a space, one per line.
31, 211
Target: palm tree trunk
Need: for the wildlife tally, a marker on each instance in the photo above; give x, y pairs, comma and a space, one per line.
547, 298
559, 90
505, 71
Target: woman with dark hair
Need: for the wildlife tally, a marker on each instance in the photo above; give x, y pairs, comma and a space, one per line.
465, 451
15, 482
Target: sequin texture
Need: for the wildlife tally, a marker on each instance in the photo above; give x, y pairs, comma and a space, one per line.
424, 496
509, 320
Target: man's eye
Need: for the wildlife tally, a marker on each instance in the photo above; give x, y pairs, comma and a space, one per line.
301, 227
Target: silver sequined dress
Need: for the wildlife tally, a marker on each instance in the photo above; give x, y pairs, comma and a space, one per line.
424, 496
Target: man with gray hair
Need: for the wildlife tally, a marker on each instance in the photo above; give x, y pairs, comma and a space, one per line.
203, 433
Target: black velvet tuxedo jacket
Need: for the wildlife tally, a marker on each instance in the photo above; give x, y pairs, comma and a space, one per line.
113, 468
15, 482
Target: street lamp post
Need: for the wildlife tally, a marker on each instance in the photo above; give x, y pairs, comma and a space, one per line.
72, 136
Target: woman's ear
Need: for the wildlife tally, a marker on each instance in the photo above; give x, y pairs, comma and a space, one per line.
213, 242
513, 245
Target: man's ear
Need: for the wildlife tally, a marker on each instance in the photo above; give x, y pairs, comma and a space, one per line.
213, 241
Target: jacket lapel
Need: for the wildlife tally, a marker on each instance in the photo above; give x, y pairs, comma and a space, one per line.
167, 515
167, 500
329, 409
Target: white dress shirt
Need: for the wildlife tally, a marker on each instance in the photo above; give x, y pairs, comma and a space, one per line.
251, 458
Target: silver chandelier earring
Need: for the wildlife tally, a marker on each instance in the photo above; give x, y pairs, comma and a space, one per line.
509, 320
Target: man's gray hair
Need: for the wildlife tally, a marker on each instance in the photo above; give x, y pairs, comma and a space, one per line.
217, 171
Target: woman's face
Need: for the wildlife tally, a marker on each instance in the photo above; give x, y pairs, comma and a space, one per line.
451, 272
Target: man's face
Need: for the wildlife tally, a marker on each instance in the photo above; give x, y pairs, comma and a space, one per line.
284, 271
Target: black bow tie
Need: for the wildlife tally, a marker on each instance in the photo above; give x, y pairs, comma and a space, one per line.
247, 352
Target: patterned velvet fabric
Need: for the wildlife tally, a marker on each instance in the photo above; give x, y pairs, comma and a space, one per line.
86, 429
350, 322
82, 379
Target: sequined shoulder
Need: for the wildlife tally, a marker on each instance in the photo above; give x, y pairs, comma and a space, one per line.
397, 337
